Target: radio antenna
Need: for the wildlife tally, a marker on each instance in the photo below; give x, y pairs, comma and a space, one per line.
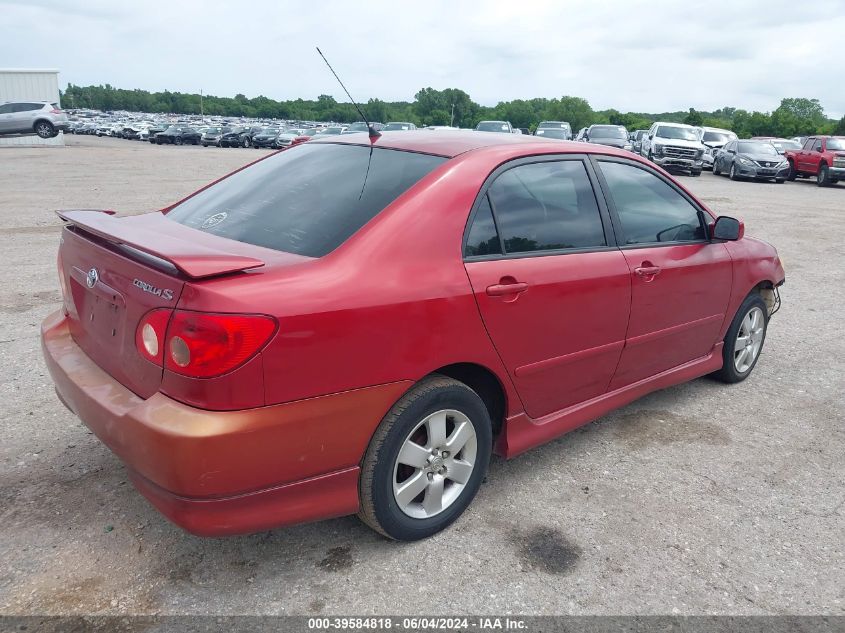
374, 133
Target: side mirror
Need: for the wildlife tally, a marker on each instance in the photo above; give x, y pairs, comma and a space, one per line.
728, 229
819, 150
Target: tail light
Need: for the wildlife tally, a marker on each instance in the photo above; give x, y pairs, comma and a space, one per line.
200, 344
56, 111
150, 335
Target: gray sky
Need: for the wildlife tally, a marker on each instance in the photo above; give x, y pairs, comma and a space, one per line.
644, 56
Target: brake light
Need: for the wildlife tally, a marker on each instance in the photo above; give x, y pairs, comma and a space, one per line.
56, 111
202, 345
150, 335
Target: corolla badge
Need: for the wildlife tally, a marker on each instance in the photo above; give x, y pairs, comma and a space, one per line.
92, 278
164, 293
214, 220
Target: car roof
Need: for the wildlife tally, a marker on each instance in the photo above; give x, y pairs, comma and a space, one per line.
452, 143
673, 124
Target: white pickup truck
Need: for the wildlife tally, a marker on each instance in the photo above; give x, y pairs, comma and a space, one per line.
674, 146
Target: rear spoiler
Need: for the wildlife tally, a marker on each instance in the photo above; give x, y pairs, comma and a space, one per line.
188, 256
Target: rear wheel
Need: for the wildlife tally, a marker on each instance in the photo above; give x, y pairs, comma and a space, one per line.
426, 460
744, 340
178, 140
245, 142
45, 129
716, 170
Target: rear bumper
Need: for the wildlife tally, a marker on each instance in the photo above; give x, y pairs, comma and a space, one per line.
224, 472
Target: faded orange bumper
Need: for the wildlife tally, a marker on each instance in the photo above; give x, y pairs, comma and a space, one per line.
224, 472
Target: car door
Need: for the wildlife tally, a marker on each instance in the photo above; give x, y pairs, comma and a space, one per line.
552, 288
680, 281
725, 156
803, 158
23, 119
814, 156
5, 118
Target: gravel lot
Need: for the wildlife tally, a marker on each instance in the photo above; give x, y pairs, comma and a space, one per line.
700, 499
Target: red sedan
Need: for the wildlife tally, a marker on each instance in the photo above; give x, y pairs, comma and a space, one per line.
354, 326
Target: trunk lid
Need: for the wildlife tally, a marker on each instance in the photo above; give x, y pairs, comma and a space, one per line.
115, 270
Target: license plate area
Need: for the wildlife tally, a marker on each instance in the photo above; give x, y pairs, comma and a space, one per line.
99, 311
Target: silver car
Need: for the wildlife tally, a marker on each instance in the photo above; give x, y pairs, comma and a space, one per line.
32, 117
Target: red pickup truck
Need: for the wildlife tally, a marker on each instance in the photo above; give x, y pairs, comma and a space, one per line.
822, 157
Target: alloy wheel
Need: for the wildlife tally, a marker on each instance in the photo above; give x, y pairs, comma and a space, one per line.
434, 464
749, 339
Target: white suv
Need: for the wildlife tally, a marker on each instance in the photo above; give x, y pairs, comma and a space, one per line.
674, 146
714, 139
32, 117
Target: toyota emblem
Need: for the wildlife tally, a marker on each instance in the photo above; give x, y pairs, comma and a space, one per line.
92, 278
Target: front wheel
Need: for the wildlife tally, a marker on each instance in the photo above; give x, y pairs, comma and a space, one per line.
45, 129
716, 170
245, 142
744, 340
426, 460
732, 173
822, 178
792, 173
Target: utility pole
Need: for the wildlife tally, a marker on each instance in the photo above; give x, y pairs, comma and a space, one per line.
452, 118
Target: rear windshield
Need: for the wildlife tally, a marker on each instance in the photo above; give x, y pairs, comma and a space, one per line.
492, 126
607, 131
306, 200
551, 132
560, 124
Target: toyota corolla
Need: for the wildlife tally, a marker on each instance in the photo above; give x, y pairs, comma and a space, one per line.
354, 325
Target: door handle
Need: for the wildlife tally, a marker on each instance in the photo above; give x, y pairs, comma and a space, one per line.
647, 271
512, 288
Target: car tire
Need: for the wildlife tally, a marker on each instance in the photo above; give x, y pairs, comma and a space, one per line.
744, 340
732, 173
695, 173
650, 156
716, 170
779, 181
178, 141
44, 129
442, 411
822, 178
246, 142
792, 172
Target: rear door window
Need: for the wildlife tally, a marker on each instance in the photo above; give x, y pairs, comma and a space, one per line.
483, 238
547, 206
306, 200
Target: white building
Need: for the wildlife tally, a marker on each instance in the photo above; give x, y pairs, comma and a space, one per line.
30, 85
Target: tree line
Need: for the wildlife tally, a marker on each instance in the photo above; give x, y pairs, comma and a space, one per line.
794, 116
